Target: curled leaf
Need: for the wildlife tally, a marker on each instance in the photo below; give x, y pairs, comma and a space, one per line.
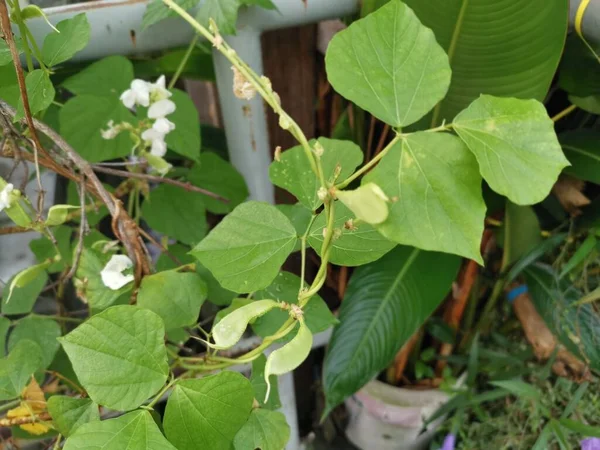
230, 329
26, 276
290, 356
58, 214
368, 203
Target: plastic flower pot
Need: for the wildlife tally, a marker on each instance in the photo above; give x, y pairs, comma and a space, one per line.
385, 417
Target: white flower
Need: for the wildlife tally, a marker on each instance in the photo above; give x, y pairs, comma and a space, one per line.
156, 139
163, 125
161, 109
138, 94
112, 274
5, 197
111, 132
158, 90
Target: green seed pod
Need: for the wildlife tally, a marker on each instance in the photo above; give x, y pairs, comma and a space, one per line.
368, 203
230, 329
58, 214
290, 356
26, 276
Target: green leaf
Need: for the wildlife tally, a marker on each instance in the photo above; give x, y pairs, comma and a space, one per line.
44, 249
136, 430
293, 173
591, 103
357, 245
157, 10
208, 412
266, 430
519, 388
176, 297
40, 93
185, 139
266, 4
389, 64
44, 332
521, 232
535, 254
515, 145
285, 288
504, 49
245, 251
436, 195
582, 149
4, 326
574, 325
58, 214
223, 12
9, 89
579, 71
81, 119
167, 202
90, 287
583, 251
109, 76
218, 176
300, 217
385, 303
217, 294
73, 37
27, 276
23, 299
259, 384
580, 428
179, 251
119, 356
17, 368
68, 413
5, 56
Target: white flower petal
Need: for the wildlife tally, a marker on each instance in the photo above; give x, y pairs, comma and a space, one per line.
141, 89
159, 148
112, 275
128, 98
5, 198
161, 108
161, 83
163, 125
152, 134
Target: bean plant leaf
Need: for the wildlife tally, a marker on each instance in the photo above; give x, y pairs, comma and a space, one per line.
136, 430
109, 76
217, 175
73, 36
300, 217
167, 202
223, 12
44, 332
208, 412
157, 10
582, 149
265, 430
590, 103
185, 140
293, 173
5, 324
385, 303
22, 299
389, 64
579, 71
68, 413
84, 116
217, 294
88, 283
175, 296
5, 55
515, 145
356, 245
435, 188
504, 49
284, 288
119, 356
40, 92
245, 251
257, 379
520, 233
17, 368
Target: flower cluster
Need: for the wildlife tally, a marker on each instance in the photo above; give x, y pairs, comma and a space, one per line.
112, 274
6, 198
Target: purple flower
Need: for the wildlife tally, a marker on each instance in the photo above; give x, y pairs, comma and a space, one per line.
450, 441
590, 444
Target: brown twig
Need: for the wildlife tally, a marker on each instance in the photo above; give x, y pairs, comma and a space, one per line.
401, 358
13, 230
83, 229
43, 417
143, 176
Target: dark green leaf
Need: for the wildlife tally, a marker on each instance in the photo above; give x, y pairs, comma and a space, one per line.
579, 71
179, 251
40, 93
185, 139
17, 368
580, 428
582, 149
109, 76
582, 252
22, 299
257, 379
534, 255
217, 294
157, 11
223, 12
43, 249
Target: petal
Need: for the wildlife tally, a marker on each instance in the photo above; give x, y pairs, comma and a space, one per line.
163, 125
152, 134
112, 276
159, 148
161, 108
128, 98
161, 82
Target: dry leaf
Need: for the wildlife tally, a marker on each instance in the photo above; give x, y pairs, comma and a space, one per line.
568, 190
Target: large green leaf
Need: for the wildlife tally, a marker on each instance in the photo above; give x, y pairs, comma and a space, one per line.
217, 294
40, 92
167, 202
223, 12
82, 118
22, 299
185, 139
217, 175
435, 186
520, 233
504, 48
174, 296
265, 430
285, 288
245, 251
259, 384
68, 413
389, 64
207, 413
4, 326
293, 173
157, 10
136, 430
119, 356
515, 145
44, 332
576, 326
579, 71
357, 244
17, 368
109, 76
582, 149
385, 303
88, 282
73, 36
